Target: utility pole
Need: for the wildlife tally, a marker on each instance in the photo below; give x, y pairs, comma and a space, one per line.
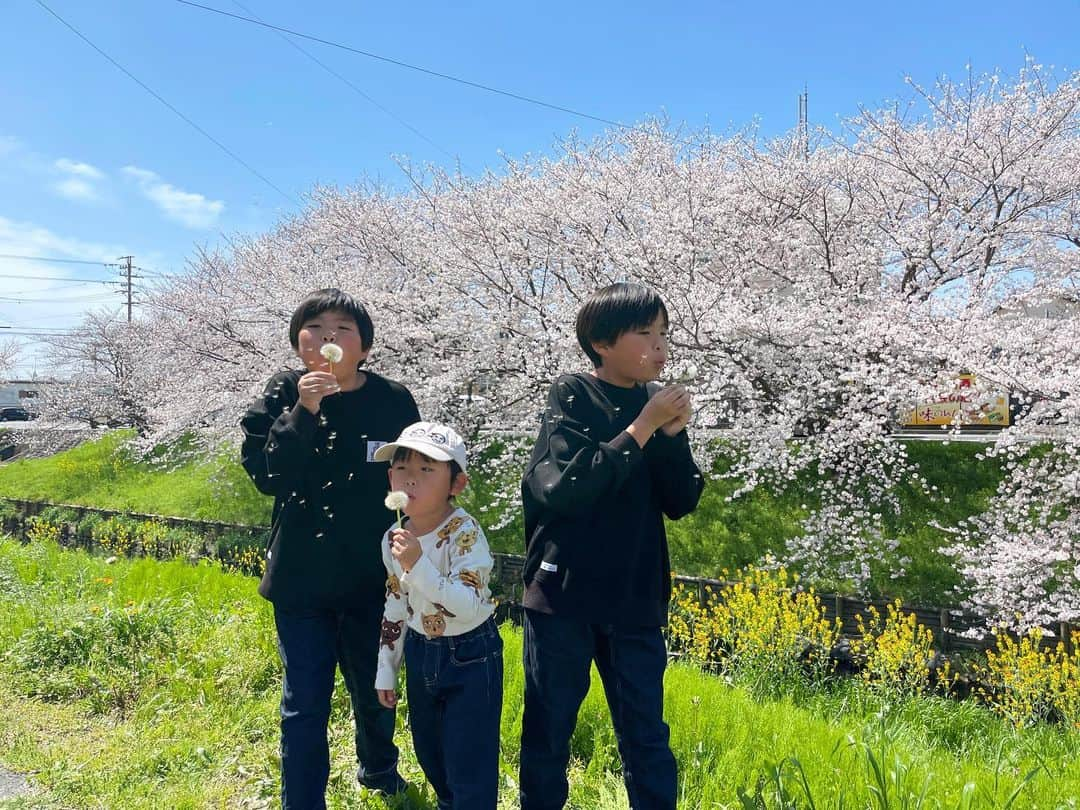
126, 285
804, 125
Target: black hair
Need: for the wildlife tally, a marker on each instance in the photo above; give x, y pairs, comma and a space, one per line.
405, 453
331, 299
613, 311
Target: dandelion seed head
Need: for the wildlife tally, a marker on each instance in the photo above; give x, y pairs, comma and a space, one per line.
332, 352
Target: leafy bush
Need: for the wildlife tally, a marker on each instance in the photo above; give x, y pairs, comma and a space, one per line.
116, 535
1027, 681
41, 530
761, 625
84, 528
105, 657
242, 552
896, 649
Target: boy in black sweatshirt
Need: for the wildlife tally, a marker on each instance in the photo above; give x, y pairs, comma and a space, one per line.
310, 441
611, 459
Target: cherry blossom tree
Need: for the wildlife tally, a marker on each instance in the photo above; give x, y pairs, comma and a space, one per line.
104, 362
9, 353
816, 291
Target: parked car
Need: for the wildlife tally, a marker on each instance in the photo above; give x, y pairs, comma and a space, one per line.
14, 413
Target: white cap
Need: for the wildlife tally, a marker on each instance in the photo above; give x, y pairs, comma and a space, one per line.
430, 438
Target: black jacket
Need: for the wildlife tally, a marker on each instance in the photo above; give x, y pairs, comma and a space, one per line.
329, 515
594, 502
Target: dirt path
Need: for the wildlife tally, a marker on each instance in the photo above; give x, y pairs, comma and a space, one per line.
12, 785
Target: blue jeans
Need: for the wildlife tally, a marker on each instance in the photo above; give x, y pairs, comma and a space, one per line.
558, 653
312, 644
455, 686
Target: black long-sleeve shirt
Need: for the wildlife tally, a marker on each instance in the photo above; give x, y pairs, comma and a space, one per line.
329, 516
594, 503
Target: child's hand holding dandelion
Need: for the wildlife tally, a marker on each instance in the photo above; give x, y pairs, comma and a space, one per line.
676, 425
683, 374
333, 354
403, 544
315, 385
405, 547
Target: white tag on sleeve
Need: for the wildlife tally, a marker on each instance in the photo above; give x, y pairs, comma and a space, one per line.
546, 566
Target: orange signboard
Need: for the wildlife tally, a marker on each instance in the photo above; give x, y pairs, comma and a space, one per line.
944, 411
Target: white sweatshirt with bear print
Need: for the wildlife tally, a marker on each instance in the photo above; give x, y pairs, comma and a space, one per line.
445, 594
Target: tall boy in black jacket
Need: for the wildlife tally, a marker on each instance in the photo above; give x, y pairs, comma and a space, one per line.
611, 459
310, 441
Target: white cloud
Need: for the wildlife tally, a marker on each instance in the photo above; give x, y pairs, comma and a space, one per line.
76, 189
37, 299
80, 169
186, 207
142, 175
9, 145
28, 239
81, 181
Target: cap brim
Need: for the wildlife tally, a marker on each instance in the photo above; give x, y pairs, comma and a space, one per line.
386, 452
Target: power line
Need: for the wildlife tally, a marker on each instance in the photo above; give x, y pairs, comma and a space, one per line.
160, 98
354, 88
76, 300
16, 328
34, 330
55, 289
399, 63
59, 278
44, 330
62, 261
39, 319
155, 274
37, 335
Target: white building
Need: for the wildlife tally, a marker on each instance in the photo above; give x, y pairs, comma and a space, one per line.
20, 392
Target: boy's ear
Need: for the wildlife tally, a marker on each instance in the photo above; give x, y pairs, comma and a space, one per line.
602, 349
457, 486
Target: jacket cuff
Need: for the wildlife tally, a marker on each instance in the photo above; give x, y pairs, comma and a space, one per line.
668, 446
300, 421
624, 443
385, 678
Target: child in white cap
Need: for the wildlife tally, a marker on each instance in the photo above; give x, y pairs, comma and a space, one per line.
438, 617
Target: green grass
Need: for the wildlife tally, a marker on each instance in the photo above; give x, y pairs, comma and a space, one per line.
104, 474
721, 535
142, 684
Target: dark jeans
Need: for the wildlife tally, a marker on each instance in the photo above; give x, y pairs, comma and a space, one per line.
312, 644
455, 687
631, 661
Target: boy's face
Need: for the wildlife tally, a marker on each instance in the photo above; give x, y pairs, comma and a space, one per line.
331, 327
637, 356
426, 482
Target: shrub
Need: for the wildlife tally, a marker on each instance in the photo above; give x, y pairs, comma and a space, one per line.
84, 528
41, 530
761, 625
897, 650
116, 535
1027, 681
242, 552
105, 657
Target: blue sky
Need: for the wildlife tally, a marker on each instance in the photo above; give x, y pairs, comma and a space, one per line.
93, 167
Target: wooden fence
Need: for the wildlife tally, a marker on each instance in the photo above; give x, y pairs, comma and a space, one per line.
954, 629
